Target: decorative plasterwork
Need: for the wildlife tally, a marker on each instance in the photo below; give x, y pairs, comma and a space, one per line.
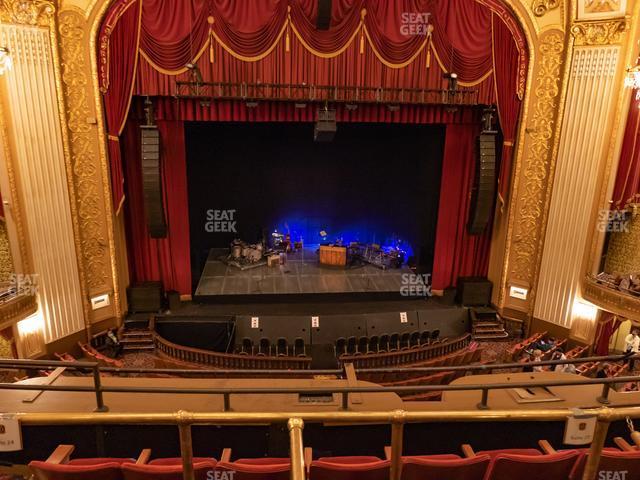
611, 300
83, 150
28, 12
607, 32
535, 177
17, 309
540, 7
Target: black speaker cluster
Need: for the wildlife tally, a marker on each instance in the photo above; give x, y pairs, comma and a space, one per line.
152, 181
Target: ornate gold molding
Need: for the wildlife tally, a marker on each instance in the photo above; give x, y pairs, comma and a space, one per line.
540, 7
17, 309
535, 178
611, 300
605, 32
75, 82
28, 12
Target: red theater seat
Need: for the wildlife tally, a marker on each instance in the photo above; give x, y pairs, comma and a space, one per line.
59, 466
258, 469
201, 470
611, 460
439, 467
349, 468
556, 466
98, 471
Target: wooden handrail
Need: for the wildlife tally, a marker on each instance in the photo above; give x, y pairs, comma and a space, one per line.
228, 360
407, 356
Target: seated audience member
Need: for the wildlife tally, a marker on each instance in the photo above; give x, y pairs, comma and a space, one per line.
562, 367
632, 346
537, 357
113, 344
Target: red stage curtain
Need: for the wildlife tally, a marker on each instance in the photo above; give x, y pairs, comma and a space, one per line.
627, 186
173, 31
118, 54
165, 259
607, 326
456, 252
462, 38
506, 68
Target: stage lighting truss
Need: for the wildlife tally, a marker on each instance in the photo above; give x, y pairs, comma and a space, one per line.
304, 95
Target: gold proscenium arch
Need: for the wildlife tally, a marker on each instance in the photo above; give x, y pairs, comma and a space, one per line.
519, 224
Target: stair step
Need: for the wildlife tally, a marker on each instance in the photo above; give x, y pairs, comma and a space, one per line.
136, 341
487, 324
129, 348
137, 334
491, 336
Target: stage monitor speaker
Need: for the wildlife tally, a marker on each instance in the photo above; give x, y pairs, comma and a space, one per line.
484, 188
152, 182
145, 297
324, 15
474, 291
325, 126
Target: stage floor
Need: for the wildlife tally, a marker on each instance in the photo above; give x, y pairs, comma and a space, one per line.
302, 274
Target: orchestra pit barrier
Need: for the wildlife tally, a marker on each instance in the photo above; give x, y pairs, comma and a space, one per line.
296, 420
98, 389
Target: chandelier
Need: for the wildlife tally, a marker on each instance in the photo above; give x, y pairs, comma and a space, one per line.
5, 60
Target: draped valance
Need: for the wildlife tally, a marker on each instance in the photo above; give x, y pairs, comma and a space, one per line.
146, 45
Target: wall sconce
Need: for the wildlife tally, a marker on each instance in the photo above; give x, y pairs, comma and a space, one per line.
5, 60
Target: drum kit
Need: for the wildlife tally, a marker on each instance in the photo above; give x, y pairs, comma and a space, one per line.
244, 255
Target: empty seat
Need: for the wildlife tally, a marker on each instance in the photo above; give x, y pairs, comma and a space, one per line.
415, 339
611, 460
258, 468
556, 466
383, 343
59, 466
405, 340
282, 347
374, 344
349, 468
425, 337
435, 335
363, 345
247, 346
394, 342
299, 347
341, 346
436, 467
264, 346
202, 470
351, 345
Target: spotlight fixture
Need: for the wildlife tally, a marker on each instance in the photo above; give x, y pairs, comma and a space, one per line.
251, 103
196, 74
351, 106
5, 60
393, 107
453, 80
300, 105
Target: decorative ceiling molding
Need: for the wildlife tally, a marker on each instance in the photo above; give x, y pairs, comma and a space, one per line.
601, 32
27, 12
540, 7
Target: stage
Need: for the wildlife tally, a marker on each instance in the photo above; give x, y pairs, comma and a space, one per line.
301, 274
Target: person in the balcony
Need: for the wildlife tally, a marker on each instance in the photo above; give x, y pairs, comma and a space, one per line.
632, 346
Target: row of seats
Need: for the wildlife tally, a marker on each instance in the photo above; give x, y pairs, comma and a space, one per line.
509, 464
281, 347
384, 343
471, 354
92, 354
514, 352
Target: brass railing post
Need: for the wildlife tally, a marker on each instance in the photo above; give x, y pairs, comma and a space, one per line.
599, 437
186, 445
397, 430
297, 448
